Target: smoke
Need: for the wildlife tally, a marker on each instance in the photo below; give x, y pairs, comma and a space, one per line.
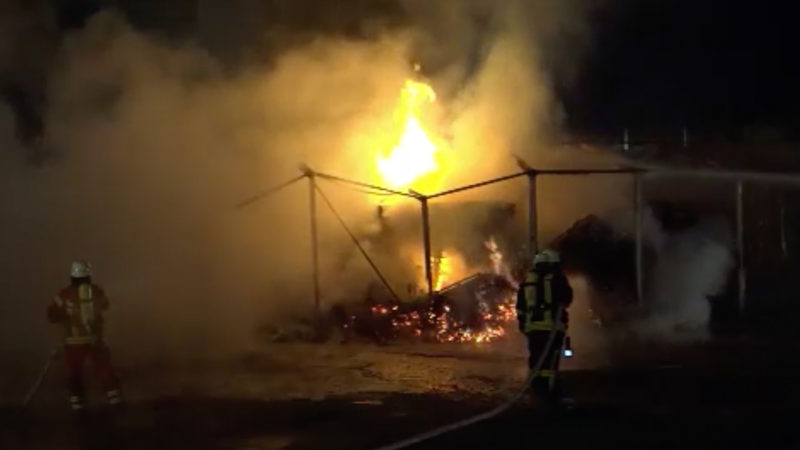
683, 270
27, 46
151, 141
153, 144
690, 267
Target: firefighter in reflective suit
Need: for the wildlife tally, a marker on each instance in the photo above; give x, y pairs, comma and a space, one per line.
78, 309
544, 291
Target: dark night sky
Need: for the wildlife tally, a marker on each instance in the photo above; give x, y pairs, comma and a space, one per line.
716, 66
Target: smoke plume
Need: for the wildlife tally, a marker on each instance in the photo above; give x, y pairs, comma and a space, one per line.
691, 266
150, 141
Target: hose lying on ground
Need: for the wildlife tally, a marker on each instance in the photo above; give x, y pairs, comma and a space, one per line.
38, 382
488, 414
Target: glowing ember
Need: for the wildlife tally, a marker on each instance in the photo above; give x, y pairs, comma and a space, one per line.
496, 307
443, 327
447, 319
381, 310
414, 153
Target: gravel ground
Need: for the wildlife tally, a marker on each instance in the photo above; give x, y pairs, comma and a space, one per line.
715, 395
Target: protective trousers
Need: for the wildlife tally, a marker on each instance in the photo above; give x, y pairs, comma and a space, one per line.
545, 385
76, 356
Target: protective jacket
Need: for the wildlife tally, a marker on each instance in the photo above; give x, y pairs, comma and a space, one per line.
545, 289
78, 309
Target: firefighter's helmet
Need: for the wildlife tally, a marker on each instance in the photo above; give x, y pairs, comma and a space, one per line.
80, 269
546, 256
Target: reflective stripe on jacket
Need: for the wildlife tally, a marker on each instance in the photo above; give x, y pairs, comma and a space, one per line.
78, 309
538, 299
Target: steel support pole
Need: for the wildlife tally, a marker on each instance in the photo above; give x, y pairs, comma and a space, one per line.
740, 243
312, 204
533, 218
638, 188
426, 242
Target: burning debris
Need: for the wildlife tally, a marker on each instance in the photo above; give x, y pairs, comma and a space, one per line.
477, 309
410, 155
441, 270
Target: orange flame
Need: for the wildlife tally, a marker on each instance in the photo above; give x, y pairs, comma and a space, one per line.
414, 154
443, 269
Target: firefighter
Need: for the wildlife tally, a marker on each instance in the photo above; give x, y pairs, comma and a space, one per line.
78, 309
544, 291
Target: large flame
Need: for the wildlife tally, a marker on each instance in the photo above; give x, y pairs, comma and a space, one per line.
414, 154
443, 271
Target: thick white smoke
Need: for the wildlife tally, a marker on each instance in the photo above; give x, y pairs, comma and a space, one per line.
683, 269
149, 143
690, 267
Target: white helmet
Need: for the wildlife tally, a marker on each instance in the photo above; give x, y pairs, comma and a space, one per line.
546, 256
80, 269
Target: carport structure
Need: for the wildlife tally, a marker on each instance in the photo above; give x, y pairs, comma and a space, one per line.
639, 174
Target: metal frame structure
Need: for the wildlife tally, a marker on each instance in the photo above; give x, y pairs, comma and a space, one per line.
640, 176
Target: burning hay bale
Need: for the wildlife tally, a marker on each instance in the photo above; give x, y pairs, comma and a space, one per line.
478, 309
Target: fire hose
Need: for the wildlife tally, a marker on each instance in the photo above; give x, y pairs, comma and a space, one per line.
419, 438
38, 382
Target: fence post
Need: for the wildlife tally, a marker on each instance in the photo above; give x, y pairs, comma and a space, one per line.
740, 243
638, 227
625, 141
685, 137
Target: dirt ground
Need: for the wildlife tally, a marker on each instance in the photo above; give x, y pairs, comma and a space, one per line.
735, 393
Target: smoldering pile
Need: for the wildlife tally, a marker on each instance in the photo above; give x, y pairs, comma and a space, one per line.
477, 309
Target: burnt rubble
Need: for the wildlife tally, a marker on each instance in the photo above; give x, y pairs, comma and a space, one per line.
477, 309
